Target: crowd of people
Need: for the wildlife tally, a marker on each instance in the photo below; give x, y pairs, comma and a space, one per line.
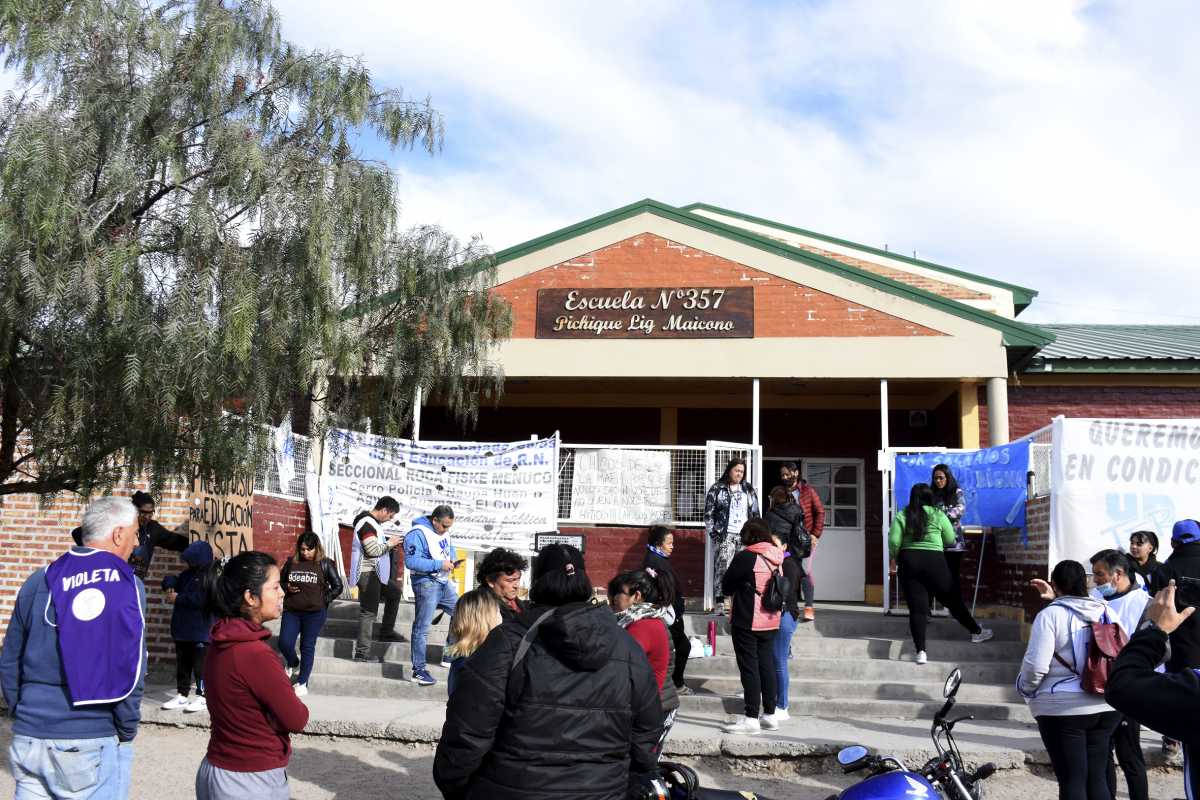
1102, 659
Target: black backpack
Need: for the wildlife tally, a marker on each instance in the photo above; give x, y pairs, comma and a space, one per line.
801, 537
778, 589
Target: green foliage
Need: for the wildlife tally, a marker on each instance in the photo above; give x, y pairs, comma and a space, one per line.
184, 221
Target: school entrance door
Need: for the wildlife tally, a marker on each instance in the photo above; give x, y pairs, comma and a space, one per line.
839, 560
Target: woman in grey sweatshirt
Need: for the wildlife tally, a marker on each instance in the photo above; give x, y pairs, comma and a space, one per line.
1076, 726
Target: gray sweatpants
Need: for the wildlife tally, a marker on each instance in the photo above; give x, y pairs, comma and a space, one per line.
214, 783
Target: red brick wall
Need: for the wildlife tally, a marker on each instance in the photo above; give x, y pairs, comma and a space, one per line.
609, 551
1010, 563
781, 308
31, 537
1033, 407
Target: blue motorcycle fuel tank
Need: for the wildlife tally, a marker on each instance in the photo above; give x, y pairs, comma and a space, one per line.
892, 786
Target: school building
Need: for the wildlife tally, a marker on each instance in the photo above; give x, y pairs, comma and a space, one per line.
676, 326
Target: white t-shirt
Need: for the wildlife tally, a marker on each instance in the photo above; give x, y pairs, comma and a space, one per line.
739, 509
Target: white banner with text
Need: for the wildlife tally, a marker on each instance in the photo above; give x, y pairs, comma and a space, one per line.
501, 493
1111, 477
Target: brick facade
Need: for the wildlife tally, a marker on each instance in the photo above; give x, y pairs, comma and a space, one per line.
611, 550
781, 307
1033, 406
32, 536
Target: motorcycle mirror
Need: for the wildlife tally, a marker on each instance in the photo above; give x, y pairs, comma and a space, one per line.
848, 756
953, 680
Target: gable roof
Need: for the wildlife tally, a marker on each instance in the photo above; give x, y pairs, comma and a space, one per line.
1022, 295
1016, 334
1120, 348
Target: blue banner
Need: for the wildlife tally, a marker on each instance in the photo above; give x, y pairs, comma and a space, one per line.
993, 481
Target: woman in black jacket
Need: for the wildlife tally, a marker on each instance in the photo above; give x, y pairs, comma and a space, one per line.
558, 703
659, 546
311, 582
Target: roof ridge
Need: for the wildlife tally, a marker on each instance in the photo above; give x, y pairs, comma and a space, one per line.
1022, 295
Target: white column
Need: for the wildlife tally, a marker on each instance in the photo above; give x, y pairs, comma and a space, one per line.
754, 417
997, 402
883, 414
416, 425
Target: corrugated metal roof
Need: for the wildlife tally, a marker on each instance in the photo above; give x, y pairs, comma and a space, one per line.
1119, 342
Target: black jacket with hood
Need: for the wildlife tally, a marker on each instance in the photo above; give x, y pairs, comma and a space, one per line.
1167, 703
1184, 562
586, 711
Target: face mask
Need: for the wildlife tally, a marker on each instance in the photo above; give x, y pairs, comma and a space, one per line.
1106, 590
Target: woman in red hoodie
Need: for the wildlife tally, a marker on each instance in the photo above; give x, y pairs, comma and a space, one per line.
250, 699
753, 627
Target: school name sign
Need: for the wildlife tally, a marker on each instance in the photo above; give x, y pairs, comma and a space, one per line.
658, 313
1111, 477
502, 493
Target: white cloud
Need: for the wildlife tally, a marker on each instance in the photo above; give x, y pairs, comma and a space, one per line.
1044, 143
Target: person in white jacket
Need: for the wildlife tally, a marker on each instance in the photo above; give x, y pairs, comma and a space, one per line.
1076, 727
1114, 574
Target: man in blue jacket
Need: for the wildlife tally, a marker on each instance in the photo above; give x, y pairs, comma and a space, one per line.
74, 664
429, 557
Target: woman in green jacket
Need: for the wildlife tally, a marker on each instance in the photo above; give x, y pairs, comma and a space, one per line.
919, 535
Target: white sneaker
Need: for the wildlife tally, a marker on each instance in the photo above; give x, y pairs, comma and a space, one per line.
746, 726
920, 657
982, 636
782, 715
174, 704
293, 673
769, 722
301, 690
198, 704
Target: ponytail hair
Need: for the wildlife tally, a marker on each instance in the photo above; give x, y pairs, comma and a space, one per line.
916, 519
656, 585
245, 572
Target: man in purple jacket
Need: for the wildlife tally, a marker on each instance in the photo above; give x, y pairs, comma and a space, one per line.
74, 664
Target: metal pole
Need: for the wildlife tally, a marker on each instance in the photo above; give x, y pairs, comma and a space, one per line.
886, 484
979, 570
754, 421
416, 425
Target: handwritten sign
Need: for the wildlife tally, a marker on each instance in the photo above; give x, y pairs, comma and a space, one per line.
502, 493
222, 514
662, 313
631, 487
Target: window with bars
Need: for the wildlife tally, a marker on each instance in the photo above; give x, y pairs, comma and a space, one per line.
839, 485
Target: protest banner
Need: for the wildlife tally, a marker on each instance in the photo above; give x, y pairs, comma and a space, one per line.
501, 493
1111, 477
619, 486
222, 514
993, 480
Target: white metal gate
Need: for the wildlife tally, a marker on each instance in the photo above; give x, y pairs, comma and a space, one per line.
718, 454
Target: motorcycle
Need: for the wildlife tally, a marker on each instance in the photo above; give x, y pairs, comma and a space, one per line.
943, 777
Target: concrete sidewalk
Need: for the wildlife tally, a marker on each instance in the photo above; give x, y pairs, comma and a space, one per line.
1007, 744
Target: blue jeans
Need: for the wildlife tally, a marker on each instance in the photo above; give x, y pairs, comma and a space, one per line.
307, 625
783, 646
69, 768
430, 595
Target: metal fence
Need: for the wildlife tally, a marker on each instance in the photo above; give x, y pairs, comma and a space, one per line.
291, 452
687, 482
1040, 453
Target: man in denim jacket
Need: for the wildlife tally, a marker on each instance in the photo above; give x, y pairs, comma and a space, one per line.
429, 557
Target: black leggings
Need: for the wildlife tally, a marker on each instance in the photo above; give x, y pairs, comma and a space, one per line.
1127, 739
923, 573
189, 664
683, 649
1079, 748
755, 651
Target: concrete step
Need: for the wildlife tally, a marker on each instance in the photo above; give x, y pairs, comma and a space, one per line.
862, 690
858, 708
348, 629
396, 686
982, 673
894, 649
834, 624
398, 652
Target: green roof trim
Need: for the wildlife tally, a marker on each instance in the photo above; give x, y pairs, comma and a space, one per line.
1016, 334
1097, 366
1022, 295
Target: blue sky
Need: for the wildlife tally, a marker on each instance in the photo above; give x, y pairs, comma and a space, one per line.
1047, 143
